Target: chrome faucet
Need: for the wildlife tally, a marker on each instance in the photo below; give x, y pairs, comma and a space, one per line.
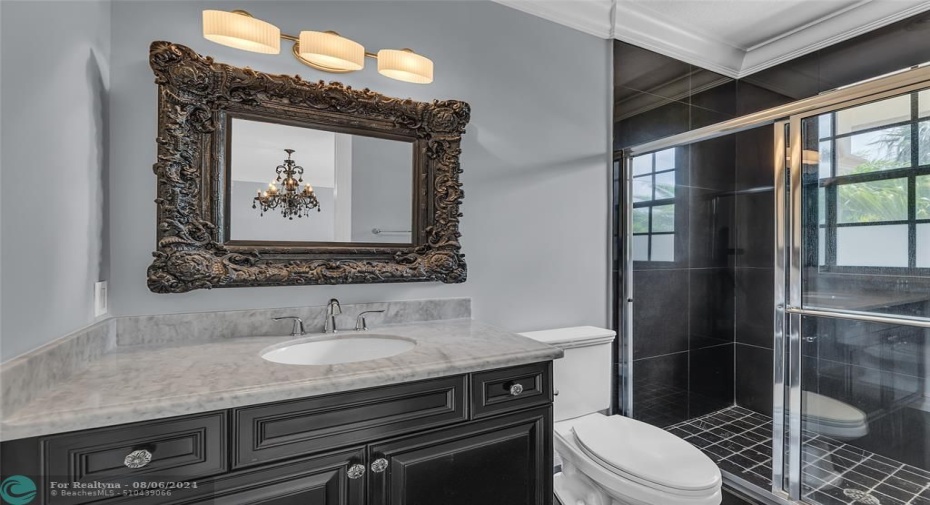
360, 323
298, 329
332, 310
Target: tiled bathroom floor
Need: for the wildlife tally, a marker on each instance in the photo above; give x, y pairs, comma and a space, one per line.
740, 442
737, 439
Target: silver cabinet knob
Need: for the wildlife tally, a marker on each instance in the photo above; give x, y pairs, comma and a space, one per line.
356, 471
379, 465
137, 459
516, 389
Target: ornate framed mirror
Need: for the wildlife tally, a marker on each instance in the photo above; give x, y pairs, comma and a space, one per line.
363, 188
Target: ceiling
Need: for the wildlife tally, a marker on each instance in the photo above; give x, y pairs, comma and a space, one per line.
735, 38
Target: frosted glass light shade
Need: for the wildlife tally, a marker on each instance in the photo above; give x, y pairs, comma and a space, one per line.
242, 32
331, 50
405, 65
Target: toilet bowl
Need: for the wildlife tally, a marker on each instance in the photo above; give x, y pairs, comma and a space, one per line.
832, 418
615, 460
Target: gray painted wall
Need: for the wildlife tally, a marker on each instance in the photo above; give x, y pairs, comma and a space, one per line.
382, 189
535, 157
55, 77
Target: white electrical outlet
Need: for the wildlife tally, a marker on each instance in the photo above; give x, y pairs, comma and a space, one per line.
100, 298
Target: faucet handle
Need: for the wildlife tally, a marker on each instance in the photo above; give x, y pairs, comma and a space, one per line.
298, 329
360, 324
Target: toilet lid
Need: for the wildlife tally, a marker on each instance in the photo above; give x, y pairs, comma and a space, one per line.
830, 411
645, 452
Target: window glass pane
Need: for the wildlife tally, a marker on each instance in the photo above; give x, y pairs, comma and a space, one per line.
822, 246
663, 247
923, 136
923, 103
665, 185
874, 151
874, 201
642, 164
663, 218
642, 189
824, 126
923, 197
665, 160
641, 220
923, 246
641, 248
871, 115
821, 206
825, 163
872, 246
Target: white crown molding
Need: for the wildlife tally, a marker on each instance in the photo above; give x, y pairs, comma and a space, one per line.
643, 28
630, 22
589, 16
863, 18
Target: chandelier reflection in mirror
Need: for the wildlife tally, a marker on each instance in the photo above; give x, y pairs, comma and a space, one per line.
290, 198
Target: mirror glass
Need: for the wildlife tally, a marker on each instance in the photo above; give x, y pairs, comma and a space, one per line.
296, 184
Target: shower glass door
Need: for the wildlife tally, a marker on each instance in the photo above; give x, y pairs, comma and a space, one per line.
856, 303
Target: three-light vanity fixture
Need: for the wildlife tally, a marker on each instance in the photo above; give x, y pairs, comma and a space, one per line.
292, 201
327, 51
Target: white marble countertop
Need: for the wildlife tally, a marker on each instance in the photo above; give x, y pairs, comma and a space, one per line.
140, 383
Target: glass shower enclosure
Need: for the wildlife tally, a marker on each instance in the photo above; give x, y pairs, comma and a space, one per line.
856, 300
849, 416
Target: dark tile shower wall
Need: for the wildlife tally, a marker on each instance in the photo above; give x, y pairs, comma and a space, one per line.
686, 311
754, 272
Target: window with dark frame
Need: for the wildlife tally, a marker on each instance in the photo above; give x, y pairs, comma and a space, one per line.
867, 178
653, 230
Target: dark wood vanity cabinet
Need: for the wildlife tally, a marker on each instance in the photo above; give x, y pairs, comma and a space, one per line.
483, 438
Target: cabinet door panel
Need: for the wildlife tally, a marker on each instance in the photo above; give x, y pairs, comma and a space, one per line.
501, 461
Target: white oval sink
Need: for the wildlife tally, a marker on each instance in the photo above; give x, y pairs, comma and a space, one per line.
337, 350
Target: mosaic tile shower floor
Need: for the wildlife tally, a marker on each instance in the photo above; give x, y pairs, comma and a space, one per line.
740, 442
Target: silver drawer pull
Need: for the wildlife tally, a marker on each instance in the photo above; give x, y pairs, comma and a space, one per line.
379, 465
356, 471
137, 459
516, 389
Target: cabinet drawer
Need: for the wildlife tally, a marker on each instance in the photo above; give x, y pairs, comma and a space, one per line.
511, 388
180, 450
319, 480
281, 430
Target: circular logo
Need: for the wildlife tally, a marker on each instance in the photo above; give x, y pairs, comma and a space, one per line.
17, 490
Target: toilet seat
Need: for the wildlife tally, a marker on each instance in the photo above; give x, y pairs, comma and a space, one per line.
630, 484
645, 454
831, 417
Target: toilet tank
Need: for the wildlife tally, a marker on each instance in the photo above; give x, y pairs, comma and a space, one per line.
582, 377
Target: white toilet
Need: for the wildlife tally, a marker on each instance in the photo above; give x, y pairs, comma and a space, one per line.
615, 460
